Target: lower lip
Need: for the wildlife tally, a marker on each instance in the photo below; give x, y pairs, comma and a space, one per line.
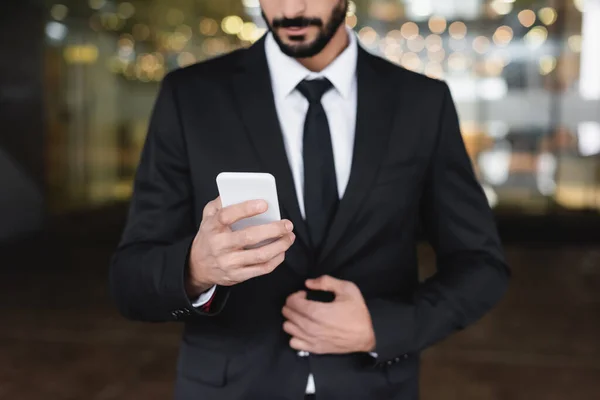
295, 31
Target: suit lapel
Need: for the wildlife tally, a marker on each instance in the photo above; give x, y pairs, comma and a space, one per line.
256, 105
373, 124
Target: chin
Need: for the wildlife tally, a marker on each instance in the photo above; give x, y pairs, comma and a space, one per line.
297, 43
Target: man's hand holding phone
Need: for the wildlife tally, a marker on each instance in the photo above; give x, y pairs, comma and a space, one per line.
221, 256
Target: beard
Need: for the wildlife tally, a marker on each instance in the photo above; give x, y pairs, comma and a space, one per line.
326, 32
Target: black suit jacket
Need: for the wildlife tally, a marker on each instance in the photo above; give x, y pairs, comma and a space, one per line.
409, 169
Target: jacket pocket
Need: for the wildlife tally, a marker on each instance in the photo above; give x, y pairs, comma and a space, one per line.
203, 365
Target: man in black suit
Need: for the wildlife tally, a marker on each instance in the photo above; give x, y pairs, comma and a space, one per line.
364, 154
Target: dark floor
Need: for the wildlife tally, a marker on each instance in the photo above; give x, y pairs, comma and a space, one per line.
60, 337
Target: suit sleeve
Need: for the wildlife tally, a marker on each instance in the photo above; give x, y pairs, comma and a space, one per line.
471, 276
148, 270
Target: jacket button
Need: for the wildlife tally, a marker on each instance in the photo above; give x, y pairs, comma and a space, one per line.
405, 356
390, 362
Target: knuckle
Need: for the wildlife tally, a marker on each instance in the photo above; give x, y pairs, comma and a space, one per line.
266, 269
208, 208
222, 218
224, 261
261, 257
236, 260
247, 237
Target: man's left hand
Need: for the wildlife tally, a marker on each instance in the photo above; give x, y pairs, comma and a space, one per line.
340, 327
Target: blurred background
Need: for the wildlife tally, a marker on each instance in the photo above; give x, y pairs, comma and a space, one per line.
78, 79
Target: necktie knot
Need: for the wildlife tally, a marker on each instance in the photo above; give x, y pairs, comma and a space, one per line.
314, 89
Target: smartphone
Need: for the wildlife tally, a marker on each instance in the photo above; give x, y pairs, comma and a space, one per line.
237, 187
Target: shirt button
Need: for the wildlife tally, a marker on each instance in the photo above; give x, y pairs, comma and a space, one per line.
405, 356
390, 362
397, 359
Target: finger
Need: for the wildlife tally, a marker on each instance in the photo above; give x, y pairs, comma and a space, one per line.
294, 330
299, 344
264, 253
308, 325
228, 215
248, 272
328, 283
211, 208
298, 303
256, 234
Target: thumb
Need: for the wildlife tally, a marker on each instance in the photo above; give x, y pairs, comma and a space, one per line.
327, 283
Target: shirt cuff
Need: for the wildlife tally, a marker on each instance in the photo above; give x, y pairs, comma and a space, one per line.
204, 297
373, 354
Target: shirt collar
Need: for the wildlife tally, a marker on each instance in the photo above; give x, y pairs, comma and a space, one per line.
287, 73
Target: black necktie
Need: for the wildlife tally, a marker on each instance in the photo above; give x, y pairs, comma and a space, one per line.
320, 184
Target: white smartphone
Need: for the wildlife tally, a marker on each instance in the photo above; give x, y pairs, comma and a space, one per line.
237, 187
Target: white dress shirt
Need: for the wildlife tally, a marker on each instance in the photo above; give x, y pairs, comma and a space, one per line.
340, 106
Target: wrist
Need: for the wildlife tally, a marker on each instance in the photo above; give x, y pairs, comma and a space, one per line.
194, 287
370, 343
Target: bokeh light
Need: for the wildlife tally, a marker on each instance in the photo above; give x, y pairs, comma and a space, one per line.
367, 36
175, 17
434, 42
125, 10
411, 61
536, 37
457, 30
232, 24
409, 30
59, 12
575, 42
434, 70
416, 44
208, 26
481, 44
527, 18
548, 15
501, 7
351, 21
503, 35
547, 64
437, 24
97, 4
141, 32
